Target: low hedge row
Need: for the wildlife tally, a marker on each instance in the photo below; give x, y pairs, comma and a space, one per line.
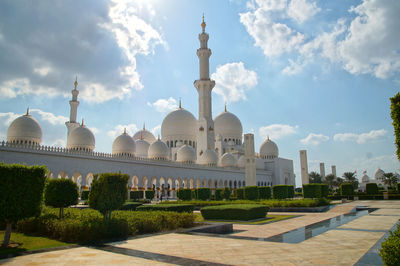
264, 192
184, 194
390, 251
149, 194
251, 193
202, 193
315, 190
372, 188
130, 206
243, 212
136, 195
167, 207
87, 226
282, 191
346, 189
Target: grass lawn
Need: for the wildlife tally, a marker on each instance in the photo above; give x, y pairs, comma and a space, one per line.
28, 242
267, 219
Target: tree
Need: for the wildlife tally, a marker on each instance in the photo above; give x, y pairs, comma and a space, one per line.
390, 179
61, 193
108, 193
315, 177
338, 181
21, 194
395, 114
329, 180
350, 177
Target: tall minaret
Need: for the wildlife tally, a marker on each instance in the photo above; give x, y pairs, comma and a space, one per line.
71, 124
204, 86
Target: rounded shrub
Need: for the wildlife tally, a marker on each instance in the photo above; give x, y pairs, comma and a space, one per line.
346, 189
203, 193
280, 192
264, 192
184, 194
251, 193
390, 251
372, 188
60, 193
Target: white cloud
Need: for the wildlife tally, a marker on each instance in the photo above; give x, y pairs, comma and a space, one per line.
156, 131
373, 135
277, 131
164, 105
119, 129
59, 143
50, 117
233, 80
302, 10
314, 139
94, 130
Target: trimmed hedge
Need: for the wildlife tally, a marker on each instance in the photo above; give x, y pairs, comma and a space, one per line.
346, 189
251, 193
130, 206
372, 188
243, 212
136, 195
85, 195
227, 193
203, 193
264, 192
239, 193
167, 207
315, 190
184, 194
280, 192
219, 194
398, 187
149, 194
390, 251
60, 193
290, 189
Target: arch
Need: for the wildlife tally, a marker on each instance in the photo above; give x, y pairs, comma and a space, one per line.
169, 187
145, 182
50, 175
198, 183
239, 184
77, 176
221, 183
89, 180
185, 183
235, 184
215, 183
177, 183
226, 183
62, 174
191, 183
230, 183
205, 182
134, 182
210, 183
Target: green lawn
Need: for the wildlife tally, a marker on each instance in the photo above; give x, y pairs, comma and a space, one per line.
29, 242
267, 219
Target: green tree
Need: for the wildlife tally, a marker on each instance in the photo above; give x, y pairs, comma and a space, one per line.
338, 181
108, 193
330, 180
314, 177
61, 193
395, 114
350, 177
21, 194
390, 179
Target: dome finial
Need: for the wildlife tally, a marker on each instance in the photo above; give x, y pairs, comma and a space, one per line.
141, 135
144, 125
180, 103
225, 107
267, 137
158, 137
27, 111
82, 122
76, 82
125, 130
203, 24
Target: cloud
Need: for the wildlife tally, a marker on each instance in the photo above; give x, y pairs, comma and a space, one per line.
233, 80
43, 57
156, 131
373, 135
164, 105
119, 129
50, 117
314, 139
277, 131
388, 163
365, 40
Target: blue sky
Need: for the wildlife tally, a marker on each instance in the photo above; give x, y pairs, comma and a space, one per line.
313, 75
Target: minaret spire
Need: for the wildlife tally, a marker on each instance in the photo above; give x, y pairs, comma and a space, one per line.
225, 107
27, 111
180, 103
74, 103
204, 86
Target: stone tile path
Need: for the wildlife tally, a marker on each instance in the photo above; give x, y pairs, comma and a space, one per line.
343, 245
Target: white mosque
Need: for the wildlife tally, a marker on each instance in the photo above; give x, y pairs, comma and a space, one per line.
191, 153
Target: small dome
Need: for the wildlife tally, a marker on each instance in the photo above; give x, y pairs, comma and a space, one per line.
144, 134
81, 138
260, 164
179, 124
378, 175
241, 162
158, 150
209, 157
269, 149
227, 160
186, 154
365, 178
228, 126
124, 145
142, 148
25, 129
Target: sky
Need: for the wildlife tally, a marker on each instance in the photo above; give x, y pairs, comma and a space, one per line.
314, 75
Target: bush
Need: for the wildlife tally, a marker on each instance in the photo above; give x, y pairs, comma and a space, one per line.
242, 212
280, 192
315, 190
398, 187
390, 251
167, 207
85, 195
251, 193
21, 194
324, 190
346, 189
264, 192
149, 194
372, 188
108, 193
60, 193
136, 195
227, 193
184, 194
239, 193
203, 193
290, 189
130, 206
219, 194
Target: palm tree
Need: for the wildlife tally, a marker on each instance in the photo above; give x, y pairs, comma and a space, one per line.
350, 177
314, 177
338, 181
390, 179
330, 180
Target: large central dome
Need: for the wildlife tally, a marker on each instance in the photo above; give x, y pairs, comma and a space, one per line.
228, 126
25, 129
179, 125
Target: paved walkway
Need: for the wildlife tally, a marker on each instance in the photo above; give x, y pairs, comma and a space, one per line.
343, 245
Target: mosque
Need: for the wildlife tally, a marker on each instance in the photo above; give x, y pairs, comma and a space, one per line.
190, 153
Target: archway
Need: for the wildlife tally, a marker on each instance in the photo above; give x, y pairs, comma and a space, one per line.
145, 182
89, 180
62, 174
191, 183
